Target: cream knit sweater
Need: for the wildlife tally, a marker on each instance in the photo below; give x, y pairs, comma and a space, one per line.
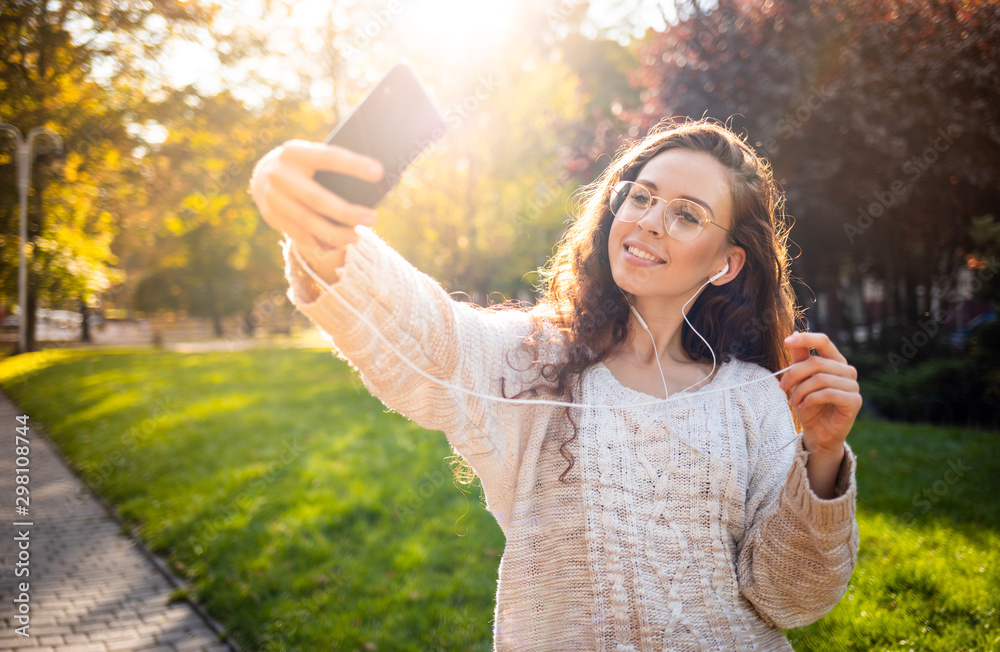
650, 545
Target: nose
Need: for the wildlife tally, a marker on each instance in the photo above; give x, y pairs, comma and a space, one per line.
652, 221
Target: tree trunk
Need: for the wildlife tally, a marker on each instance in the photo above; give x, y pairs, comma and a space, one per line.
84, 326
912, 307
214, 309
29, 314
884, 335
835, 308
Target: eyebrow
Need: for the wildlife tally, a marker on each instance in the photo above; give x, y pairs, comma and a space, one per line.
697, 201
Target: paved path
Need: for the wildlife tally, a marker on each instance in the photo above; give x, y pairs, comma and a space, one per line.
90, 588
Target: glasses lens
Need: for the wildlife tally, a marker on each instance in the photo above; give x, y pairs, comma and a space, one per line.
685, 219
630, 201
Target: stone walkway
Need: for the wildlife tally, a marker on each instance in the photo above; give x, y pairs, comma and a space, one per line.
91, 589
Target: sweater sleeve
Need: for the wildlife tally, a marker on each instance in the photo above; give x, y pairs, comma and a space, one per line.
799, 551
411, 337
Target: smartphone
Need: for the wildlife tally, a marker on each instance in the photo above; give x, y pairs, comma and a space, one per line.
394, 123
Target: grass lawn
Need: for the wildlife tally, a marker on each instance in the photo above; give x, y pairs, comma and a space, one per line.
308, 518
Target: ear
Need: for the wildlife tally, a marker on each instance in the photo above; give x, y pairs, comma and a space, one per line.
736, 256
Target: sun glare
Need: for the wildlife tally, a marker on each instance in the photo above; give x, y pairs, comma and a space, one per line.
457, 26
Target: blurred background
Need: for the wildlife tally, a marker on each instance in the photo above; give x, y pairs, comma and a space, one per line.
145, 251
879, 119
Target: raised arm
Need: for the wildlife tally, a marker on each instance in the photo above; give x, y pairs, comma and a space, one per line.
292, 202
420, 352
798, 551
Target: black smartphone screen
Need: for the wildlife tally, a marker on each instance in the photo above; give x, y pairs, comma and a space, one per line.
394, 123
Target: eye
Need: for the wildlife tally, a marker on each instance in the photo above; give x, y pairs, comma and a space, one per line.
688, 212
688, 217
640, 197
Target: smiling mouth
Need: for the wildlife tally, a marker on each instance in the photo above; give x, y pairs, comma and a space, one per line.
639, 253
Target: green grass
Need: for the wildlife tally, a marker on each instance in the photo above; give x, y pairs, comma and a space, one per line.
308, 518
928, 573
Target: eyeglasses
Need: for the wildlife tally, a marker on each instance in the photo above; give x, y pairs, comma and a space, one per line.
682, 218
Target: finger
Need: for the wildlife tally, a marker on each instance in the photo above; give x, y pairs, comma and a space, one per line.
799, 353
818, 382
795, 372
800, 371
320, 200
819, 341
321, 156
295, 214
847, 401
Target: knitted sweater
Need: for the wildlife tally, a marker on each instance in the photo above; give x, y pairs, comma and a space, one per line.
649, 544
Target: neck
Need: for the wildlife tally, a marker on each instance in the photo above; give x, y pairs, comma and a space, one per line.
664, 321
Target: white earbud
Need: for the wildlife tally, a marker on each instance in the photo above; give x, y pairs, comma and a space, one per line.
637, 316
724, 270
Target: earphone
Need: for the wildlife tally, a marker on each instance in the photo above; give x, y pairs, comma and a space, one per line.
656, 353
643, 323
639, 317
724, 270
656, 401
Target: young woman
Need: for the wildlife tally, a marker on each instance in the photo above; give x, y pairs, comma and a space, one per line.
651, 497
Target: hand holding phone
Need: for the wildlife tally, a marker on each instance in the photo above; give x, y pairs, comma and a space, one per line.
388, 130
393, 124
320, 223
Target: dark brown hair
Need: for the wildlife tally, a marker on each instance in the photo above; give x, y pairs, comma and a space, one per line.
746, 318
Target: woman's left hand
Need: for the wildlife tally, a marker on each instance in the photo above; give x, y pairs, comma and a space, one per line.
825, 393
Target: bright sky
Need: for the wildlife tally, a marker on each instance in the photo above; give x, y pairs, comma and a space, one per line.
453, 29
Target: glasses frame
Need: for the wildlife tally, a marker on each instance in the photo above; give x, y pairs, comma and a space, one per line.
663, 215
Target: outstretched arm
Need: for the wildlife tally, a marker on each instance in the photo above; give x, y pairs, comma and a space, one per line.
799, 550
425, 355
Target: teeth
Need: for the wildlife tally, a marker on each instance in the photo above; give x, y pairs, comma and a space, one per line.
638, 253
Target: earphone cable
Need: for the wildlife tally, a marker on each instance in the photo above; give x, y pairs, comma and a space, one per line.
655, 401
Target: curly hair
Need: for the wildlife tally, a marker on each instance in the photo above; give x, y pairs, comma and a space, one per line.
746, 318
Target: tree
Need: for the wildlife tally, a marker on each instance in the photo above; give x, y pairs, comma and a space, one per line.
198, 245
879, 120
46, 80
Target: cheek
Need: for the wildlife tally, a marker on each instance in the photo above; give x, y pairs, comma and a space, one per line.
616, 235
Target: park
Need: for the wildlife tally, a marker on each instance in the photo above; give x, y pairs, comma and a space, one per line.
207, 470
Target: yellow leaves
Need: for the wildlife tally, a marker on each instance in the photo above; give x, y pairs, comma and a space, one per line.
240, 258
213, 164
175, 225
112, 159
71, 168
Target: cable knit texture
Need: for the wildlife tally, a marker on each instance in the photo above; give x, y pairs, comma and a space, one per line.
688, 525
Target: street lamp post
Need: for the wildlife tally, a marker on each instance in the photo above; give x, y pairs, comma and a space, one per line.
25, 156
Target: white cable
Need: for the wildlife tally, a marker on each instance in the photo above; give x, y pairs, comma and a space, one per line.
653, 339
326, 287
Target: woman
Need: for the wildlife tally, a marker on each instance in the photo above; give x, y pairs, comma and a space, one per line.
708, 521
